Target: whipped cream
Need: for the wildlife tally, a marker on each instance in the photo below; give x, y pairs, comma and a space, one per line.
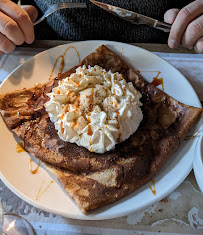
95, 108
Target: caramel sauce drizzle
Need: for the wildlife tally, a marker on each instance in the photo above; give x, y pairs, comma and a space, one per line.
63, 61
153, 188
158, 81
115, 103
66, 109
40, 189
74, 124
89, 132
19, 148
30, 167
76, 83
75, 51
62, 129
88, 118
61, 66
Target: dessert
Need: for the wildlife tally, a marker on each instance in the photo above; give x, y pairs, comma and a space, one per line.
97, 179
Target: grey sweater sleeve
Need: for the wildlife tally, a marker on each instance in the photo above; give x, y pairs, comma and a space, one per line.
179, 3
96, 24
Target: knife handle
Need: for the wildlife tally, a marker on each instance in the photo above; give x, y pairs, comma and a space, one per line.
162, 26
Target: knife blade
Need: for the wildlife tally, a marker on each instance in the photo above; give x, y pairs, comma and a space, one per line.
133, 17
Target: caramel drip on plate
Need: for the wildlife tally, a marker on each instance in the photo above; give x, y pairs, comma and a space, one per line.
40, 192
63, 61
61, 66
75, 51
158, 81
152, 188
30, 167
19, 148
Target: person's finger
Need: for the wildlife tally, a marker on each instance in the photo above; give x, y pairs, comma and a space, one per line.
199, 46
170, 15
21, 17
32, 12
6, 45
10, 29
193, 32
184, 17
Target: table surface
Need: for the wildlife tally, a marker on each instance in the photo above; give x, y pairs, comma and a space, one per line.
179, 213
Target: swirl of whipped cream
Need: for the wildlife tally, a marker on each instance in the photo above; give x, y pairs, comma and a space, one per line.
95, 108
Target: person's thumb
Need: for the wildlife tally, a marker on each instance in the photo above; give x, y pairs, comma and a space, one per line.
170, 15
32, 12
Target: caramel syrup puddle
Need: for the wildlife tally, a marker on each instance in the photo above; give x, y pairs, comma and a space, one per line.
63, 61
40, 192
19, 148
30, 167
153, 188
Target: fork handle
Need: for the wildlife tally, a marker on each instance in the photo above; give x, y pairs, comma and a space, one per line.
162, 26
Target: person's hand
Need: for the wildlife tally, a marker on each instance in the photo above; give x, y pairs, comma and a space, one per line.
187, 26
16, 25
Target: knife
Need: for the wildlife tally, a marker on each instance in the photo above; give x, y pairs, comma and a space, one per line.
133, 17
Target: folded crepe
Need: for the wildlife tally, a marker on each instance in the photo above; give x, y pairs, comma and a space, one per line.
93, 180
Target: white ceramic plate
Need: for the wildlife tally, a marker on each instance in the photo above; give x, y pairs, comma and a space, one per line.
198, 161
14, 167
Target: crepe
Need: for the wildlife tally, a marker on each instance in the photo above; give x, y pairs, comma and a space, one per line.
93, 180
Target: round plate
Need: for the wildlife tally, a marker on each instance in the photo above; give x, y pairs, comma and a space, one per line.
37, 189
198, 162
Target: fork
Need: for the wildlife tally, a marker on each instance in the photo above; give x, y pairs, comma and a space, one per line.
55, 7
